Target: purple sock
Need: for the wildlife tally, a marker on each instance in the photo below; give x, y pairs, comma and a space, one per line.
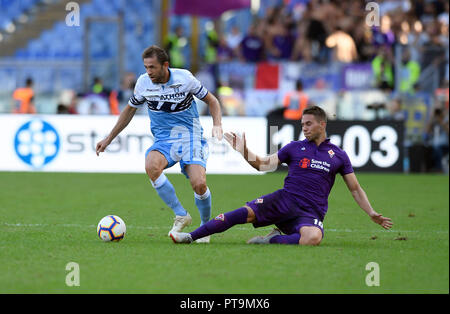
286, 239
221, 223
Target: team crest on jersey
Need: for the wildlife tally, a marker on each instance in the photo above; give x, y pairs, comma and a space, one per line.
259, 201
220, 217
304, 163
176, 87
331, 153
303, 148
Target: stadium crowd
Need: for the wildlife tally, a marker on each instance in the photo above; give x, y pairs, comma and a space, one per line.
322, 32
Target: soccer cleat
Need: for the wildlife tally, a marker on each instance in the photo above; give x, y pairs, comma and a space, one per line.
264, 239
180, 237
180, 222
203, 240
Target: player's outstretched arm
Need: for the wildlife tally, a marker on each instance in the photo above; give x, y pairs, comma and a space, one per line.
361, 198
125, 117
216, 113
239, 143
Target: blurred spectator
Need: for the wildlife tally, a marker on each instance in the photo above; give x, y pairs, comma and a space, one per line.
24, 98
62, 109
67, 102
252, 46
97, 101
383, 68
396, 110
434, 54
429, 13
443, 17
409, 73
234, 38
343, 46
437, 131
174, 44
316, 35
383, 36
230, 100
362, 36
442, 95
415, 39
295, 102
93, 105
302, 46
279, 42
126, 90
212, 43
224, 52
97, 87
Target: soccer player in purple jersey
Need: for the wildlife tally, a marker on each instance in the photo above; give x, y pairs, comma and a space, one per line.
299, 208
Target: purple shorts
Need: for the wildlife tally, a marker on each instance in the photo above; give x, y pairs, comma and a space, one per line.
282, 210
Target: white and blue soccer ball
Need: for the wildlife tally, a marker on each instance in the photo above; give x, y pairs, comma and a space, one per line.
111, 228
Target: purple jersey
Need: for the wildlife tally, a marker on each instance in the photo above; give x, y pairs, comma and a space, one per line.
312, 171
252, 48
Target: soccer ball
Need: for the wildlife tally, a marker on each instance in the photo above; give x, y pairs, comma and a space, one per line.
111, 228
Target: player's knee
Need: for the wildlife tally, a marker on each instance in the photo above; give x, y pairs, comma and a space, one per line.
314, 240
199, 186
153, 171
311, 238
251, 217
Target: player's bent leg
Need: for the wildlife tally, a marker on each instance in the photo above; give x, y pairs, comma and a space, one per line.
251, 217
310, 235
155, 163
197, 178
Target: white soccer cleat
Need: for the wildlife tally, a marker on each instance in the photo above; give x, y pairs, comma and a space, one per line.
203, 240
264, 239
180, 237
180, 222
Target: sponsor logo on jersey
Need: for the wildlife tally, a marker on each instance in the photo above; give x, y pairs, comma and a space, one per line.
321, 165
304, 163
316, 164
175, 96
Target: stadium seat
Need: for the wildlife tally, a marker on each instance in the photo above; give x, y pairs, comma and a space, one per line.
62, 42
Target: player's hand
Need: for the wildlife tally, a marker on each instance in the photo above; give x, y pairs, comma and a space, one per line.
385, 222
217, 132
237, 142
101, 146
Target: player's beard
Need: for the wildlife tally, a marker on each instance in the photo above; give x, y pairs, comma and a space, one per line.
158, 79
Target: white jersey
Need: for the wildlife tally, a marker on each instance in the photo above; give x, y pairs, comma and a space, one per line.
170, 105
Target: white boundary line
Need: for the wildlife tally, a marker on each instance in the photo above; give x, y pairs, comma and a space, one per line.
25, 225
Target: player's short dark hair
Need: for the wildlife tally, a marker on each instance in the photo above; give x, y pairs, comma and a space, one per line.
317, 112
153, 51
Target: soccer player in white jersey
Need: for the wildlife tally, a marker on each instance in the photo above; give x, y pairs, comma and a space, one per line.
174, 121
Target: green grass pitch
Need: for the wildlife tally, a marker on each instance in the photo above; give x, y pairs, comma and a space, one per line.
49, 219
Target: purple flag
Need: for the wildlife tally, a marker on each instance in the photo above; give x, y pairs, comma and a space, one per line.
208, 8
